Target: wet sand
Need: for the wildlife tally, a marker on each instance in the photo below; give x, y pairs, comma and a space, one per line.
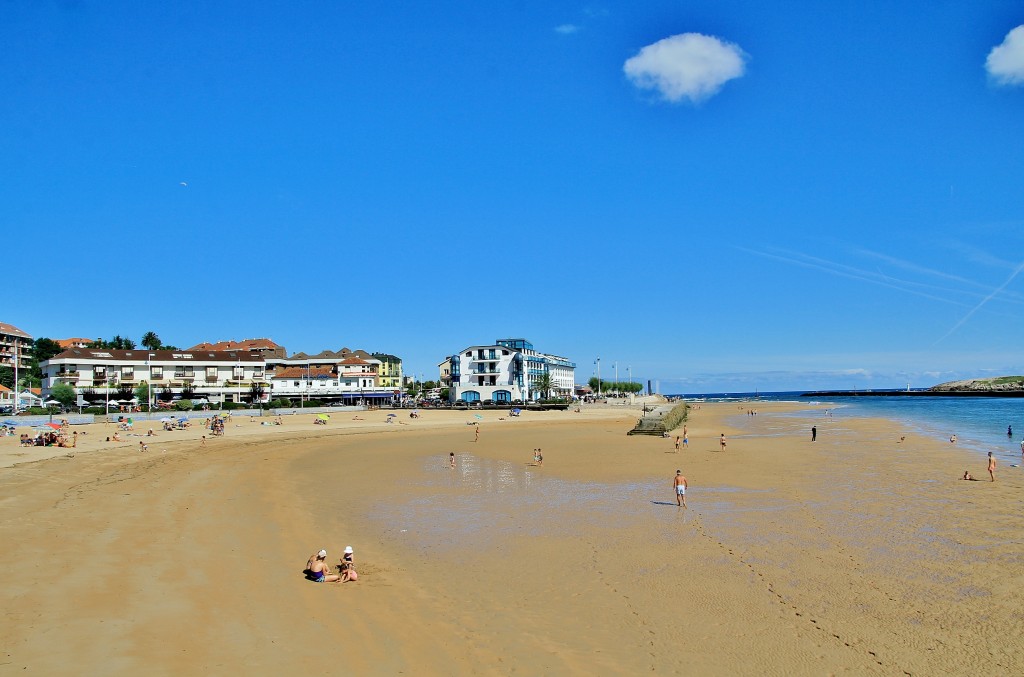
854, 554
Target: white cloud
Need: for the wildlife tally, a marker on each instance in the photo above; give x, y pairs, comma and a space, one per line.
1005, 63
567, 29
686, 66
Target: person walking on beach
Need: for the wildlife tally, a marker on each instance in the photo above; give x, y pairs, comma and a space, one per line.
451, 460
540, 457
814, 433
721, 441
991, 466
677, 444
477, 438
679, 487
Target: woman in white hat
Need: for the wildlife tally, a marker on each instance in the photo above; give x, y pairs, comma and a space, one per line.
348, 565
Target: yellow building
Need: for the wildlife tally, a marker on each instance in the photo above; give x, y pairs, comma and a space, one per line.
390, 371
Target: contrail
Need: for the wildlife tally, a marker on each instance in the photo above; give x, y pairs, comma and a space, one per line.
1015, 273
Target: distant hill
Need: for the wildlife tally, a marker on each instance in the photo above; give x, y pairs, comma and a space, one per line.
998, 384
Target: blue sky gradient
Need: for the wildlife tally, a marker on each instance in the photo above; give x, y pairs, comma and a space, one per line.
415, 178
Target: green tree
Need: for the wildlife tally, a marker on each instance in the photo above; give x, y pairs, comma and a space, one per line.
544, 384
7, 377
151, 341
124, 391
142, 393
256, 392
44, 348
188, 391
596, 385
65, 394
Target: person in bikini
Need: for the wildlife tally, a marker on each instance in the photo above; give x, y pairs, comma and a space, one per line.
991, 466
318, 571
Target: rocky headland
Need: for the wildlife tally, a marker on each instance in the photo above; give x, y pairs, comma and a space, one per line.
1000, 384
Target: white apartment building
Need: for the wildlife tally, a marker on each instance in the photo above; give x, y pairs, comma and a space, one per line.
99, 375
507, 371
352, 380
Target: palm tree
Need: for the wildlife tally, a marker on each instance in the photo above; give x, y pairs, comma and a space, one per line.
151, 340
543, 384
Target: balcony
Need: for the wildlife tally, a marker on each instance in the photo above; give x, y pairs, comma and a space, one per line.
211, 379
184, 377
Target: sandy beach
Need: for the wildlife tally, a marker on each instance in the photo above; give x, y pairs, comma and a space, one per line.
855, 554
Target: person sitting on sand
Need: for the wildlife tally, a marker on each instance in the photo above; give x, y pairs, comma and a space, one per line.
317, 571
968, 476
116, 437
348, 566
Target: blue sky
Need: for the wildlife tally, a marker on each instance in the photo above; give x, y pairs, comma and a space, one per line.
720, 195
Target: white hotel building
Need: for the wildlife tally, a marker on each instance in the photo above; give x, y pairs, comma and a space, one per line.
507, 371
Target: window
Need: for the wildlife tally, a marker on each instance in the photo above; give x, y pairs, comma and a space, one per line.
490, 354
257, 372
156, 373
211, 373
296, 384
127, 373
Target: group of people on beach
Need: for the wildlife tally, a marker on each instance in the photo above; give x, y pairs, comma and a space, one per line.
318, 571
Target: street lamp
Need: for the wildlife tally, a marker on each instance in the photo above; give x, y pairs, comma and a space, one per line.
149, 385
599, 378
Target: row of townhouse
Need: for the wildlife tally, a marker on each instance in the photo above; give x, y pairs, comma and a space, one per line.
227, 372
509, 370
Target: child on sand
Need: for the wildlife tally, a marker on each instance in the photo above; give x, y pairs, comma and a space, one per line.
348, 565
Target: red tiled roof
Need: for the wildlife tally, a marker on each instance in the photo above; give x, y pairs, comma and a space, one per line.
244, 344
300, 372
73, 342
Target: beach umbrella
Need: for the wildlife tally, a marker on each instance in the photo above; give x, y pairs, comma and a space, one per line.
478, 417
390, 415
185, 418
323, 417
54, 426
517, 411
166, 419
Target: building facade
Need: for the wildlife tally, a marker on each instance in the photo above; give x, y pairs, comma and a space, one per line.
14, 344
101, 375
509, 371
